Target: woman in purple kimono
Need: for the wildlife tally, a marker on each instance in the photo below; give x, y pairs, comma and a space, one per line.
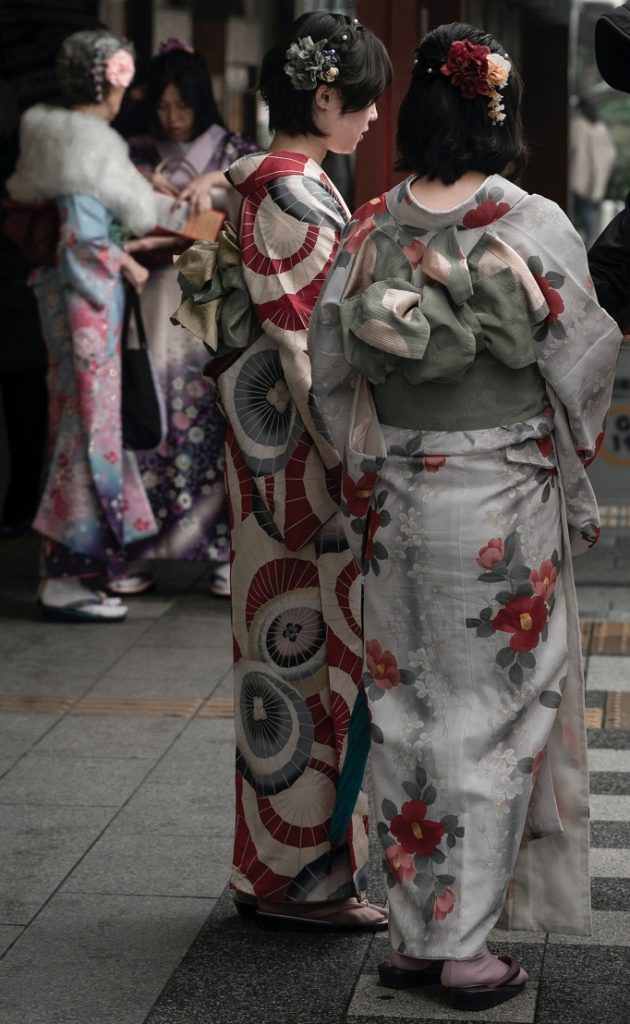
464, 367
94, 504
184, 476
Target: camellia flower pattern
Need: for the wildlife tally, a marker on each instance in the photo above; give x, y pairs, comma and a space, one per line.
414, 831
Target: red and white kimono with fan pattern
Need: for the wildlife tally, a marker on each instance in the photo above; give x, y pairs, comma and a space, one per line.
295, 585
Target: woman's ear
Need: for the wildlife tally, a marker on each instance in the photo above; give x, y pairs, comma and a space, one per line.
323, 98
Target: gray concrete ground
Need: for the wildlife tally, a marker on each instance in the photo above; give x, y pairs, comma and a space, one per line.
116, 820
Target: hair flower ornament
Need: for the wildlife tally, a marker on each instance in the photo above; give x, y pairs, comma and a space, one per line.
309, 63
120, 69
477, 71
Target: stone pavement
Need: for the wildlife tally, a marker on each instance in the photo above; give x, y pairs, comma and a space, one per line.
116, 817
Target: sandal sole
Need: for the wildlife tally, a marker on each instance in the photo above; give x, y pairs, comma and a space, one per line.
75, 615
473, 1002
396, 977
277, 922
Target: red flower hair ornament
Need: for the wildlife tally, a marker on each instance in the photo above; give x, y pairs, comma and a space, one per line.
477, 71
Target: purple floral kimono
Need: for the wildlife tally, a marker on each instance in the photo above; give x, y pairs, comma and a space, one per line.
463, 366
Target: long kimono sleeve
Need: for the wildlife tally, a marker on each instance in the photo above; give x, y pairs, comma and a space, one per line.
89, 262
577, 348
289, 237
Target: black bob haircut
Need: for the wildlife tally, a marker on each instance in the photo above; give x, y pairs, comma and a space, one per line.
189, 73
442, 135
365, 71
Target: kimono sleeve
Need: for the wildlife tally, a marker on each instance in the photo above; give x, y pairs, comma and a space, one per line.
289, 244
89, 262
578, 343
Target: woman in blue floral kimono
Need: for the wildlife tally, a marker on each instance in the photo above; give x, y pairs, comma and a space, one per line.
464, 368
94, 504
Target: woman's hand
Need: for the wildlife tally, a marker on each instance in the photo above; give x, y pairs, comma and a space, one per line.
149, 243
134, 272
161, 184
197, 192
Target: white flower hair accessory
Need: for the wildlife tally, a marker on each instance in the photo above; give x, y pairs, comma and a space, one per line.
309, 63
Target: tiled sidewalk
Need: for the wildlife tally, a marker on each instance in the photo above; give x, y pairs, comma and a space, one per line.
116, 818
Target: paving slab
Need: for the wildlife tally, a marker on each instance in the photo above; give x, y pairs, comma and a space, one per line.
582, 1003
610, 894
153, 864
188, 807
39, 846
237, 973
163, 671
96, 959
189, 631
610, 928
610, 808
610, 833
610, 783
610, 863
608, 672
117, 737
8, 934
606, 760
46, 779
18, 733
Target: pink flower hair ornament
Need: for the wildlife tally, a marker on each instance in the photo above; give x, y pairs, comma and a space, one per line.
173, 44
120, 69
477, 71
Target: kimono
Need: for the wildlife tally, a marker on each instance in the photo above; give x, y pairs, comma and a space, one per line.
183, 477
463, 367
301, 828
93, 504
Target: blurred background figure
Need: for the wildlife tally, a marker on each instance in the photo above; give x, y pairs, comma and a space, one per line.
93, 505
591, 161
184, 157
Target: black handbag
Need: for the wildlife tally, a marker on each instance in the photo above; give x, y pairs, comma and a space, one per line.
143, 412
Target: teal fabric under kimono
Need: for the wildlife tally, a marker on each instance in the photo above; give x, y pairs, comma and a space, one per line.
463, 367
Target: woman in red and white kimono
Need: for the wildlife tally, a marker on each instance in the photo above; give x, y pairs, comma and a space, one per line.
301, 846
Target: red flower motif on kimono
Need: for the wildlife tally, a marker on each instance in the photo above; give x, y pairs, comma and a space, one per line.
400, 863
553, 299
433, 462
415, 252
443, 905
543, 580
382, 666
525, 618
358, 233
545, 445
357, 496
492, 553
485, 213
111, 457
142, 525
414, 831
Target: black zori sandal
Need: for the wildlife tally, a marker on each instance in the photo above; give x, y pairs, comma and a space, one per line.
482, 997
400, 977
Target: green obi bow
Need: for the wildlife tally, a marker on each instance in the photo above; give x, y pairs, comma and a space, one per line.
215, 306
488, 300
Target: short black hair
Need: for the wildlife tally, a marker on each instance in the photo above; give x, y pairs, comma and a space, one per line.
442, 135
189, 73
365, 71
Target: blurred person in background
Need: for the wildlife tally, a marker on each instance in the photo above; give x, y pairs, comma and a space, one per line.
94, 505
591, 161
184, 476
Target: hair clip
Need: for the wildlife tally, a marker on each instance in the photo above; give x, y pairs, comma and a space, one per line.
308, 63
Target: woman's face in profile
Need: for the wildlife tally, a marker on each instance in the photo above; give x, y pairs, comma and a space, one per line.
176, 117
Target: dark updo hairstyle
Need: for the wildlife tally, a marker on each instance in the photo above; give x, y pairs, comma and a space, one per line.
442, 135
189, 73
365, 71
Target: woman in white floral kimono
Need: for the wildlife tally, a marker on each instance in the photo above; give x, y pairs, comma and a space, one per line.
464, 367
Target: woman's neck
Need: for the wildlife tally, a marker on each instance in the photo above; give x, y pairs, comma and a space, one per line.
435, 195
308, 145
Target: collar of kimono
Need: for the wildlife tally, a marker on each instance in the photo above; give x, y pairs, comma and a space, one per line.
496, 197
200, 151
256, 171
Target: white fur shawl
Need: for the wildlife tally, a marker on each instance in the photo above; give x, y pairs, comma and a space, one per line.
65, 152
